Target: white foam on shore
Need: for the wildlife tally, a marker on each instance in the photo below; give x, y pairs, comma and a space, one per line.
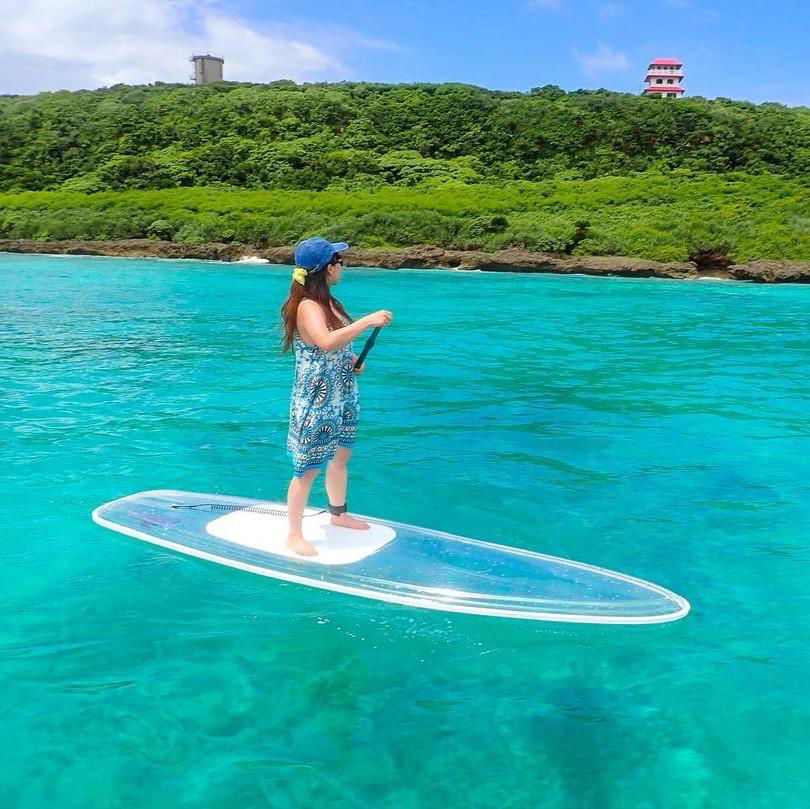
252, 260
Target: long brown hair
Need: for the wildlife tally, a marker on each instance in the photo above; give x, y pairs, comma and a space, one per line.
315, 288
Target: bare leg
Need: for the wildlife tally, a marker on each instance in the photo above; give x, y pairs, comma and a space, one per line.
297, 496
337, 481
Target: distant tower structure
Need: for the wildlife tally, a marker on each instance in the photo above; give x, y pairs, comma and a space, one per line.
207, 68
664, 78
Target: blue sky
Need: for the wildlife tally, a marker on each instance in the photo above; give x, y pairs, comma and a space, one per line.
737, 49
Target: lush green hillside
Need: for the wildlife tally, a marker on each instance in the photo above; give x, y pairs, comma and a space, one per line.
662, 216
456, 166
313, 137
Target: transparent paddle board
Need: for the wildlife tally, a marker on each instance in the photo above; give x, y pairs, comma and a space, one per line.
391, 561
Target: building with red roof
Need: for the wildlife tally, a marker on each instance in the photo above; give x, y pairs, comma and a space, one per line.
664, 77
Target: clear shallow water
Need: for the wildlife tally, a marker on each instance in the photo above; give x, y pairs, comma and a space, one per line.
657, 428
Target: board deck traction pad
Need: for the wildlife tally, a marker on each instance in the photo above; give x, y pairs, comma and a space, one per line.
391, 562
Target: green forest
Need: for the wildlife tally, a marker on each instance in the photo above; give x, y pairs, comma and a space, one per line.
587, 172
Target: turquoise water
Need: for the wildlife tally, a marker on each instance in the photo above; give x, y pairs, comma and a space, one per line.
657, 428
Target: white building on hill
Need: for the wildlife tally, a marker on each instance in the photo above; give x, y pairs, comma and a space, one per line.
664, 77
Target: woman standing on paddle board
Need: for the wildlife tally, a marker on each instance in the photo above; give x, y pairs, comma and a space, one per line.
324, 404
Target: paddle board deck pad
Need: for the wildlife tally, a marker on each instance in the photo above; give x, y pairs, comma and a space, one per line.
391, 561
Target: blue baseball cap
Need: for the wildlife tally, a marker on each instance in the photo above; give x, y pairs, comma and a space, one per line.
314, 254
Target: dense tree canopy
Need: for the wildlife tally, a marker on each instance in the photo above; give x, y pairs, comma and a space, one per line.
667, 216
590, 172
354, 135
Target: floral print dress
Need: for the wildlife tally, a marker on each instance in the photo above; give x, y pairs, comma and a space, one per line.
324, 405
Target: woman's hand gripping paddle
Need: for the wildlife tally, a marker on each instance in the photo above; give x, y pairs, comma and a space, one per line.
367, 347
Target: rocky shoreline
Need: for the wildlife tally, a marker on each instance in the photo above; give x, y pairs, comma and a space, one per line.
424, 256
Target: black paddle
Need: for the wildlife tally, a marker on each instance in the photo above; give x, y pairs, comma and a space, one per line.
368, 346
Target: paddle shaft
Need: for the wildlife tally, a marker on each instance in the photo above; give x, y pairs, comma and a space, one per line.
367, 347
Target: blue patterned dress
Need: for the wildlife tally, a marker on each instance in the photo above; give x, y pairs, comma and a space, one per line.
324, 406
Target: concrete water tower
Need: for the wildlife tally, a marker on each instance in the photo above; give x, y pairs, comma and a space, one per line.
207, 68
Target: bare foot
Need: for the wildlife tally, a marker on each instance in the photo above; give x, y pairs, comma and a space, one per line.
301, 546
347, 521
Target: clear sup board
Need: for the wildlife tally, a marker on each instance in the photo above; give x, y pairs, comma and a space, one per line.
391, 561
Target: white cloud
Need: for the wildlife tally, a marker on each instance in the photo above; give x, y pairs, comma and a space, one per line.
604, 60
610, 10
72, 44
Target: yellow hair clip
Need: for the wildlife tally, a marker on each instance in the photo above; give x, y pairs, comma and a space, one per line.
300, 275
